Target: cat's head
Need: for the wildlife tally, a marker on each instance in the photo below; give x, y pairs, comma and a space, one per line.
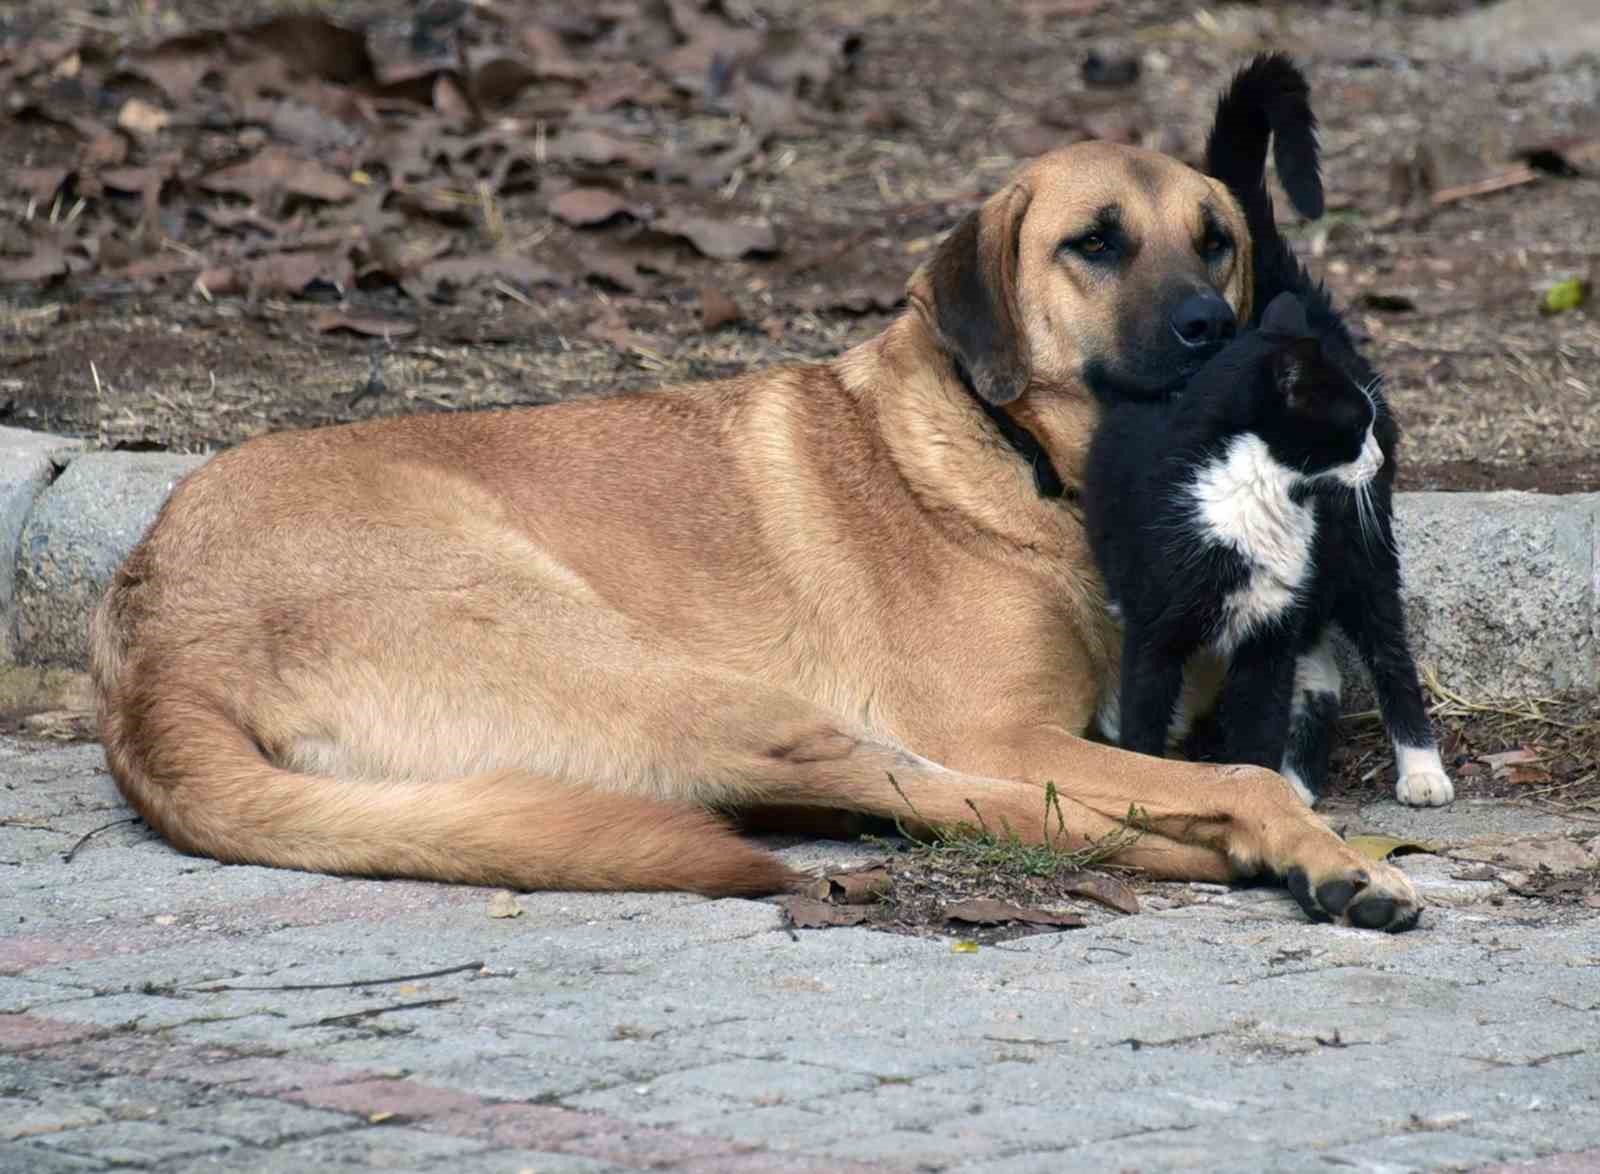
1320, 422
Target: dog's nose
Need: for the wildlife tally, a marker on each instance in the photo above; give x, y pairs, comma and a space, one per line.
1203, 320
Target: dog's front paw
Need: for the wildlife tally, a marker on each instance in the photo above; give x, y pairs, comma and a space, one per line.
1425, 788
1377, 896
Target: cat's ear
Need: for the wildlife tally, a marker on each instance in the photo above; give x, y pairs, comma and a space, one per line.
968, 290
1291, 365
1285, 318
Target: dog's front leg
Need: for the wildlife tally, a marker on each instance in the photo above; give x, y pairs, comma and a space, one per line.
1202, 822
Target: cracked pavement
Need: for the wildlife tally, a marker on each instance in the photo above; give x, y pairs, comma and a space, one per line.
169, 1013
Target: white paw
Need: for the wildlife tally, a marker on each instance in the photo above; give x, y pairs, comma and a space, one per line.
1425, 788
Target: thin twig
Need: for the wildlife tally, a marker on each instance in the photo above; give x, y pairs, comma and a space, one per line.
355, 1017
335, 986
87, 836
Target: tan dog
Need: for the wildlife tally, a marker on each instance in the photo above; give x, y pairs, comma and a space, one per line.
534, 648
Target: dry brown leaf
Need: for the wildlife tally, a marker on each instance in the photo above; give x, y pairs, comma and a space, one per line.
987, 911
587, 207
1378, 848
1508, 758
315, 46
40, 183
142, 118
1107, 890
1557, 853
331, 320
722, 240
503, 903
862, 886
717, 309
47, 261
275, 170
444, 277
598, 149
292, 272
809, 913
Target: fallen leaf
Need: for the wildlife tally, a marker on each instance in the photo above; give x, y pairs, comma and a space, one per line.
45, 262
1107, 890
809, 913
332, 320
503, 904
1556, 853
588, 206
292, 272
442, 278
275, 170
987, 911
141, 117
964, 947
1564, 296
862, 886
1507, 758
717, 308
722, 240
1379, 848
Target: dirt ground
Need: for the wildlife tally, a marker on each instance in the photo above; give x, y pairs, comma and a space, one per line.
212, 227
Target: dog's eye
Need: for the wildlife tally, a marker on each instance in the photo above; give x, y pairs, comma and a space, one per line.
1090, 244
1215, 244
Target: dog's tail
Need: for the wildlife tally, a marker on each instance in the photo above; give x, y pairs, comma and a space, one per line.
203, 783
1268, 99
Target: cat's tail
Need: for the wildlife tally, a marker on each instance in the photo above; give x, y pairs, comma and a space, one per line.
1267, 99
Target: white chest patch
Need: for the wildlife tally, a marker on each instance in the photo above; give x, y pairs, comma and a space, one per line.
1242, 502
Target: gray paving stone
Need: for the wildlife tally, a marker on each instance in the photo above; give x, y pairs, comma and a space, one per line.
373, 1148
133, 1143
27, 1158
260, 1120
22, 1117
1428, 1150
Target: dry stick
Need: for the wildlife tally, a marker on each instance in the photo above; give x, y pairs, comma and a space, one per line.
334, 986
87, 836
1517, 177
351, 1018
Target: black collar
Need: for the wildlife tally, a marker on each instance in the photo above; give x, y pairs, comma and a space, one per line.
1045, 478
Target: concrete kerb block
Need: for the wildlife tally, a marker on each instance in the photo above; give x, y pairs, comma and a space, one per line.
29, 462
80, 530
1502, 589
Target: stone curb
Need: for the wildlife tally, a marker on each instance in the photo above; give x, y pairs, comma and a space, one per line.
1502, 589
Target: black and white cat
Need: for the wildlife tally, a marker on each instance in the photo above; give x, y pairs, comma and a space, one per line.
1202, 512
1357, 576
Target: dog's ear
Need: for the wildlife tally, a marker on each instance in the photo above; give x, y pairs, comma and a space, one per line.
971, 283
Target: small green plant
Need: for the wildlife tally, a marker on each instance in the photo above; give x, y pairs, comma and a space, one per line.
978, 847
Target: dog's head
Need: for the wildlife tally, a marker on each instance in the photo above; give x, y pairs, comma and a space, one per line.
1099, 266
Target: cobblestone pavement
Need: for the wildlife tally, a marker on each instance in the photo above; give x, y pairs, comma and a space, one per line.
169, 1013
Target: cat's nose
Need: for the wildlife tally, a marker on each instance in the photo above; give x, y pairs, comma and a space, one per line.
1204, 321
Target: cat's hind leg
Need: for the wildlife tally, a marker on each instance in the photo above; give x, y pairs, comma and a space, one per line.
1312, 715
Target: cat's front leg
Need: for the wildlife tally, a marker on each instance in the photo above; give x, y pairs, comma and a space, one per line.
1376, 620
